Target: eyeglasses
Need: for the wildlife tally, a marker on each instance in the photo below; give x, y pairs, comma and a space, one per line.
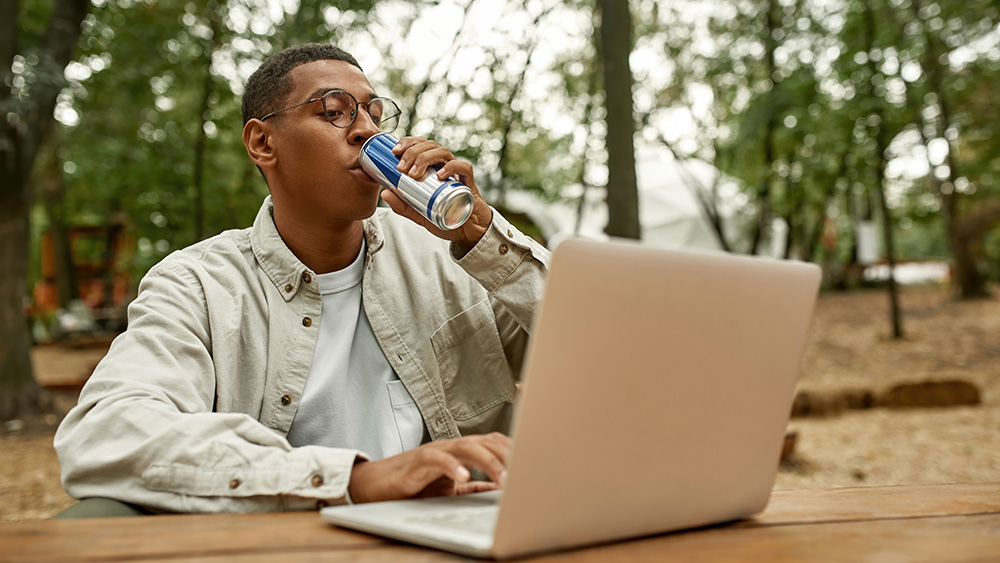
341, 109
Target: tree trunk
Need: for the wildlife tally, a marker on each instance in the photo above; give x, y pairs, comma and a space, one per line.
969, 232
616, 46
19, 143
19, 394
794, 222
970, 283
881, 145
895, 313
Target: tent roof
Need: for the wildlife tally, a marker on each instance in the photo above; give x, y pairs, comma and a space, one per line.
668, 211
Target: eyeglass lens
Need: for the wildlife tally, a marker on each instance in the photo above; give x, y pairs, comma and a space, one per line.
341, 109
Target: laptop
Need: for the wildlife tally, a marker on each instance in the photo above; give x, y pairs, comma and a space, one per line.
656, 393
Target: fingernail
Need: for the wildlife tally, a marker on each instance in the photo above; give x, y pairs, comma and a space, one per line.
397, 146
413, 169
401, 166
503, 477
463, 474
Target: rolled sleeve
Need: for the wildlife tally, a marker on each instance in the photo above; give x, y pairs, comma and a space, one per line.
511, 266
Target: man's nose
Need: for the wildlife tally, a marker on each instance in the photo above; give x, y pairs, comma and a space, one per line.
363, 127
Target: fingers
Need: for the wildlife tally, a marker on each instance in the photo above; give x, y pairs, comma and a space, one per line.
404, 475
460, 169
487, 452
437, 468
446, 487
443, 487
400, 207
407, 142
436, 463
475, 487
416, 154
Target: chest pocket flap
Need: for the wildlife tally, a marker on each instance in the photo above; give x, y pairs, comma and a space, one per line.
474, 371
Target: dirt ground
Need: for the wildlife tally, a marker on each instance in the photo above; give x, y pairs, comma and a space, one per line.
849, 348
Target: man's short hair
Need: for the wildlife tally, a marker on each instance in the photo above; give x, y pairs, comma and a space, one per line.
270, 85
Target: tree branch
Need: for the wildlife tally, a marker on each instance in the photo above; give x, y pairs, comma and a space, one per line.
411, 115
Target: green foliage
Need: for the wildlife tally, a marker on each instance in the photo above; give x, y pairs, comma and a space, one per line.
799, 99
796, 134
144, 70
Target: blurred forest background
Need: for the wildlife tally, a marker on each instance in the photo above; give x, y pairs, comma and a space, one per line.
843, 132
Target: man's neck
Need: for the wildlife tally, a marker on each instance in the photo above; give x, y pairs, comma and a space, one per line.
328, 249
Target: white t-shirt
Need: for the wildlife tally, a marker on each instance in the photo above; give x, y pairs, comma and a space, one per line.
353, 398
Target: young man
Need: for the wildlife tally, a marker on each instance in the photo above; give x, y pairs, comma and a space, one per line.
330, 353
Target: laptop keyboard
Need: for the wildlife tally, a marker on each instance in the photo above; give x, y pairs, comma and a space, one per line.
479, 519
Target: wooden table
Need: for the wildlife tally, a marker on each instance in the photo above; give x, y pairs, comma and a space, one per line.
930, 523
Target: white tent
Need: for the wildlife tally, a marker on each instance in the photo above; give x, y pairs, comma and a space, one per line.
669, 214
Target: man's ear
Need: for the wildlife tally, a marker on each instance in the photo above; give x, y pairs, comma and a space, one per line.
259, 144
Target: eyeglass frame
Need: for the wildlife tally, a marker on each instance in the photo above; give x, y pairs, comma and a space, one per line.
357, 106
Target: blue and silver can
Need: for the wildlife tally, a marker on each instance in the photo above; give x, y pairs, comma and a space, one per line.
447, 204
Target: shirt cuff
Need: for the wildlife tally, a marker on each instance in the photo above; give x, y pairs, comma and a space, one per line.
501, 250
327, 485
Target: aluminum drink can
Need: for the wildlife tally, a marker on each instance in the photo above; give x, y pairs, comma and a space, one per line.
447, 204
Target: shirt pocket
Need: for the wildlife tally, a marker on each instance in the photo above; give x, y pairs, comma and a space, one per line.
409, 423
474, 370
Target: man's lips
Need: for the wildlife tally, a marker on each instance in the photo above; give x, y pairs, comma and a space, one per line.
362, 175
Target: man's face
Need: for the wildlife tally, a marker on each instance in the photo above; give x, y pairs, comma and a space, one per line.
317, 176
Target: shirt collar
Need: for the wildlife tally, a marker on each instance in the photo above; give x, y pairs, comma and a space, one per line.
373, 233
280, 265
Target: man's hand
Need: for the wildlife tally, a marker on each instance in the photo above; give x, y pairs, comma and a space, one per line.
416, 154
434, 469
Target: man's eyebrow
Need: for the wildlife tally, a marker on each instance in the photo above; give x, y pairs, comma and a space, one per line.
320, 92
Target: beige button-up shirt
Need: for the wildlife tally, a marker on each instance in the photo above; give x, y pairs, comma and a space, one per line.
189, 410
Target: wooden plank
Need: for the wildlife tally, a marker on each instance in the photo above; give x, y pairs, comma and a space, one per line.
915, 540
304, 536
389, 554
879, 503
956, 539
174, 536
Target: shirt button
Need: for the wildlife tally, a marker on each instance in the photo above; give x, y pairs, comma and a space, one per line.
503, 249
307, 278
288, 288
235, 483
306, 321
286, 400
317, 481
320, 504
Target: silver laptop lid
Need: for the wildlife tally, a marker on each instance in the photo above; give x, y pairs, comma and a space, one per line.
657, 390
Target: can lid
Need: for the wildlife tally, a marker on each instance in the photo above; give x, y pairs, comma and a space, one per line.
455, 209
